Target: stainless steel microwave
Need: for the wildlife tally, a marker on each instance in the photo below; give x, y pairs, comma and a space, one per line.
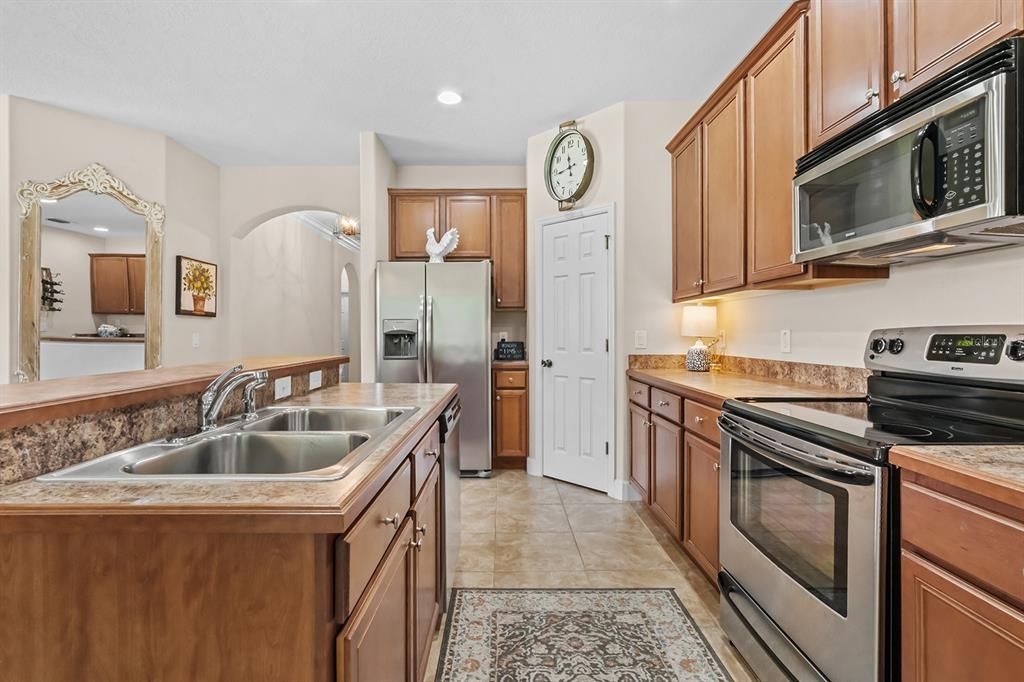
933, 175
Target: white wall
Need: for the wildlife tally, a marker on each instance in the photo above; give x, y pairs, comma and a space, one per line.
8, 242
830, 326
377, 172
633, 171
460, 177
68, 252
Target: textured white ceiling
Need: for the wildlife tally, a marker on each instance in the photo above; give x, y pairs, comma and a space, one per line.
294, 82
86, 210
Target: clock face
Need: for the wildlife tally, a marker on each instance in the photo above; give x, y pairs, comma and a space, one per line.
569, 166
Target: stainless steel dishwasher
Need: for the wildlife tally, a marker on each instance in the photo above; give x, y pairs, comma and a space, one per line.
452, 489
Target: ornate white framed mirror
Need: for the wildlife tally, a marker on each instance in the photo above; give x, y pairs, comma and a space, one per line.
90, 277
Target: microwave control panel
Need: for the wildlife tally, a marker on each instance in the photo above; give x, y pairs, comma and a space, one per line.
963, 135
978, 348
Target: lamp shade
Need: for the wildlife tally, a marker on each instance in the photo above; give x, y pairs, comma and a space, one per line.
699, 320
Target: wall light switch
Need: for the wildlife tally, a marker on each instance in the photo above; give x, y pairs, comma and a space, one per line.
195, 339
316, 379
640, 338
282, 387
785, 341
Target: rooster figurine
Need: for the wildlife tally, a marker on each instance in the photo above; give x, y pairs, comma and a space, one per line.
437, 250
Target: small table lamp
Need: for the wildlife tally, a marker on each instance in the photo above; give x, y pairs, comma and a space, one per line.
699, 321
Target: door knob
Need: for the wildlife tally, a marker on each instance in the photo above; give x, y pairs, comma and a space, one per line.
546, 363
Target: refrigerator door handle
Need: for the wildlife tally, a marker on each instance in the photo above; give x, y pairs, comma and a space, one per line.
420, 345
430, 339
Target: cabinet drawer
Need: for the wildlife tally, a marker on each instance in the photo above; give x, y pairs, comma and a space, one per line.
972, 541
510, 378
640, 393
360, 550
425, 456
703, 421
666, 404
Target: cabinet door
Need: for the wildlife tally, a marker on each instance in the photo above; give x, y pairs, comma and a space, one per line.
137, 284
955, 631
845, 81
930, 36
687, 218
640, 450
667, 474
471, 215
510, 426
724, 205
509, 239
109, 280
427, 560
700, 503
411, 217
776, 138
377, 641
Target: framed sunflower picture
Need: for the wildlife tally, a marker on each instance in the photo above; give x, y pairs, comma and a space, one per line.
197, 287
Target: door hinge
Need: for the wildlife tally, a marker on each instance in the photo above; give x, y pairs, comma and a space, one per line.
606, 447
606, 345
607, 238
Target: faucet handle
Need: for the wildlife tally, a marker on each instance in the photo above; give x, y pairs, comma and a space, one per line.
259, 380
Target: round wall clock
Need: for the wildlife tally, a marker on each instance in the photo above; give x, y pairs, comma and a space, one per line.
569, 166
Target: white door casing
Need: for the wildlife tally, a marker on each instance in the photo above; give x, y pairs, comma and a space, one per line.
576, 307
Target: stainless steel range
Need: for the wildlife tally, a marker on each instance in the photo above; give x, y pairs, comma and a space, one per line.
807, 528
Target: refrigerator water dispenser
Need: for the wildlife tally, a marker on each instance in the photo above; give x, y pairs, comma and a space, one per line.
399, 339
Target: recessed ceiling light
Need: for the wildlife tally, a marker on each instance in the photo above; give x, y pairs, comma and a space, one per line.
449, 97
100, 228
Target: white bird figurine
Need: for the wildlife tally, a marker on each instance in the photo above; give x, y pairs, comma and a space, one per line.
437, 250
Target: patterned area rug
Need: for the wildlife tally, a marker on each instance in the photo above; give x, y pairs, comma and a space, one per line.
582, 635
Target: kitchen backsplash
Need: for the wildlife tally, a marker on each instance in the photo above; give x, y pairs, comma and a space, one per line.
853, 379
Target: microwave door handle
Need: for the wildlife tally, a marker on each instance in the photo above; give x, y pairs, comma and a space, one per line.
806, 464
929, 132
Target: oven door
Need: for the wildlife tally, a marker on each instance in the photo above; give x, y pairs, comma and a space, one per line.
801, 533
903, 189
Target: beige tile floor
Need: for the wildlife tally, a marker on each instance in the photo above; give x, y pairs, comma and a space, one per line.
525, 531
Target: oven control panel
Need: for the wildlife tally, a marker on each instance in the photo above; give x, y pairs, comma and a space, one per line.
980, 352
983, 348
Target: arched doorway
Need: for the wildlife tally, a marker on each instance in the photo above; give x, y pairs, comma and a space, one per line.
349, 327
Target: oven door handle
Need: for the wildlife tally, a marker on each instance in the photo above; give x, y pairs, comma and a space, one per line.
805, 463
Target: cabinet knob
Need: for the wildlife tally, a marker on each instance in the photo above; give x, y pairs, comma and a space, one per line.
716, 466
422, 529
662, 403
698, 419
433, 454
497, 397
510, 380
418, 544
499, 299
895, 79
392, 520
870, 94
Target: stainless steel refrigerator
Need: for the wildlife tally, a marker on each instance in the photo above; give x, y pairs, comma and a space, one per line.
434, 326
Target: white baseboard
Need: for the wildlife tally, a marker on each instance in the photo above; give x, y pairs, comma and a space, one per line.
534, 466
623, 490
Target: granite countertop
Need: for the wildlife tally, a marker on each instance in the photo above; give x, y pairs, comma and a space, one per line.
717, 387
285, 506
995, 471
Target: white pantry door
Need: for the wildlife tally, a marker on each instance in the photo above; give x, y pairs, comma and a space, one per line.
576, 397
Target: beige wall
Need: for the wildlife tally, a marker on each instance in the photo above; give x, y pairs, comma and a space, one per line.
460, 177
8, 239
68, 252
377, 172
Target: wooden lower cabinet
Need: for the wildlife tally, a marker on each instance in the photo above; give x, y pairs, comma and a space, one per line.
377, 641
640, 450
700, 502
429, 590
955, 631
666, 474
511, 418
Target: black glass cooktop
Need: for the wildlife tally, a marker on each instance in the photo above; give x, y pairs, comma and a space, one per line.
883, 425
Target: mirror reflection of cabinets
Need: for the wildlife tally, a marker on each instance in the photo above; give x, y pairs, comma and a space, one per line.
118, 283
106, 244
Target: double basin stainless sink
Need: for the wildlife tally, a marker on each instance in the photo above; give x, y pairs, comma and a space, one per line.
277, 443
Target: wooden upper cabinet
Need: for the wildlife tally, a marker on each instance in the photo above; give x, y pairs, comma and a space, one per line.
411, 216
724, 205
509, 244
846, 80
930, 36
776, 138
471, 215
687, 218
700, 503
118, 283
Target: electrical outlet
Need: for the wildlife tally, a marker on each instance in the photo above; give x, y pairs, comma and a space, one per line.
721, 340
640, 338
503, 336
785, 341
282, 387
316, 379
195, 339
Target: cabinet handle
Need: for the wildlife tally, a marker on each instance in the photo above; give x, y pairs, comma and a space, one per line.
497, 397
392, 520
699, 420
432, 454
716, 466
418, 544
422, 529
662, 403
895, 79
637, 392
870, 94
